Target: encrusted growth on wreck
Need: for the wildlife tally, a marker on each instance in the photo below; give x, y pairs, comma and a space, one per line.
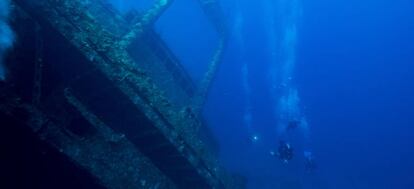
103, 106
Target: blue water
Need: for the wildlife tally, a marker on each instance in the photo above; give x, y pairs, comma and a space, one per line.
6, 35
345, 68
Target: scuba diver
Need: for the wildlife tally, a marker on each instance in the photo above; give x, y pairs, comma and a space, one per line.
310, 164
285, 152
292, 124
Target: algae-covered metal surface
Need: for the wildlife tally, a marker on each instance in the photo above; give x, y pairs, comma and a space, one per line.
107, 93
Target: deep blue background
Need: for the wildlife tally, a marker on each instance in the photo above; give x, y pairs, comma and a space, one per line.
354, 74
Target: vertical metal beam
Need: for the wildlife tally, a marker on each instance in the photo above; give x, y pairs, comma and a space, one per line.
214, 13
201, 96
146, 21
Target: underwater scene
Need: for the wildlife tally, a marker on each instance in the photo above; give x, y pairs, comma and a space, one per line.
207, 94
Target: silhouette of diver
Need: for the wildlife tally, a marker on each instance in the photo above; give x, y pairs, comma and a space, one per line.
310, 164
292, 124
284, 152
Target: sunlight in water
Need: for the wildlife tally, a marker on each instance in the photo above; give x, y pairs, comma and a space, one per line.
6, 35
283, 53
239, 40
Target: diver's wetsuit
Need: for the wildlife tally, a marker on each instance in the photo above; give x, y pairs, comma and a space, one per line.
285, 151
310, 164
292, 125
